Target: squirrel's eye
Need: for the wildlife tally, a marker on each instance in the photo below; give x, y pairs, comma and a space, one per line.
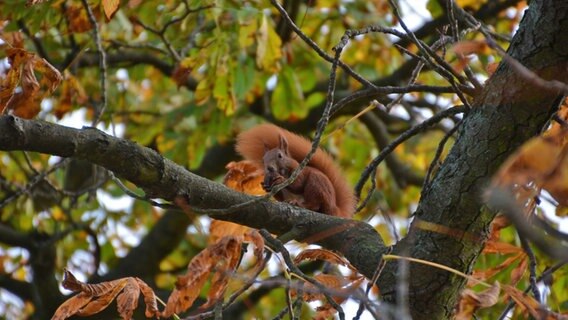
280, 155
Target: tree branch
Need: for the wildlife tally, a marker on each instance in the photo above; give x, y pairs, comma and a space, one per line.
161, 178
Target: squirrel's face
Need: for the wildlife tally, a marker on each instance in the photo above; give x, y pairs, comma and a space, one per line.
275, 168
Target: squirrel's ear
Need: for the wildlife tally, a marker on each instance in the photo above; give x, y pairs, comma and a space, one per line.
283, 144
266, 146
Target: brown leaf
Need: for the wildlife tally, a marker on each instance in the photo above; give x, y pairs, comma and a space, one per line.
77, 17
322, 254
527, 303
257, 240
221, 258
488, 273
100, 302
470, 301
51, 76
94, 298
110, 7
149, 298
223, 272
71, 306
499, 223
542, 161
127, 300
71, 90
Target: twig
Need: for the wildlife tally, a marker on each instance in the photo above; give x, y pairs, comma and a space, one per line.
102, 63
438, 154
400, 139
317, 49
33, 182
136, 196
441, 66
532, 268
279, 247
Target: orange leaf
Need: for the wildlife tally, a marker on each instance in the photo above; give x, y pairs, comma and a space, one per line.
244, 176
501, 247
485, 274
219, 229
110, 7
468, 47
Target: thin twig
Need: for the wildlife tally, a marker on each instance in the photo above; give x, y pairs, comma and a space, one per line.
435, 162
317, 49
102, 63
279, 247
532, 268
400, 139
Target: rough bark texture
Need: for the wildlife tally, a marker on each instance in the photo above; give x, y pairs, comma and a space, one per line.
451, 223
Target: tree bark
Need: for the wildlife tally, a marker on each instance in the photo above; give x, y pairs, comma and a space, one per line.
451, 223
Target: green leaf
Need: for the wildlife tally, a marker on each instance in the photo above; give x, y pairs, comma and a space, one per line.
288, 97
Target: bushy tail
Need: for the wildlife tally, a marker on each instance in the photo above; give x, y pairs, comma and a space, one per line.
251, 145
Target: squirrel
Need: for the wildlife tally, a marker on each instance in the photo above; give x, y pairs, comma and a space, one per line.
320, 186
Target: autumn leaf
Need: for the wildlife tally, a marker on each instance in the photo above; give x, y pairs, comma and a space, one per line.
243, 176
471, 301
322, 254
93, 298
221, 260
543, 161
71, 90
467, 47
337, 286
25, 103
110, 7
528, 304
268, 50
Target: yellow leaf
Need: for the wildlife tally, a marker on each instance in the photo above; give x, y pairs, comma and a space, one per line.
268, 50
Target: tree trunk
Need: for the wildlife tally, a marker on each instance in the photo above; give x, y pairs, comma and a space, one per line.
451, 224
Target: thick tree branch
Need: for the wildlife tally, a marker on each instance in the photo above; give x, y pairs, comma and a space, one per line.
161, 178
509, 111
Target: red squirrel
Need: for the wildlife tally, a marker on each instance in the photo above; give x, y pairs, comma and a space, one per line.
320, 186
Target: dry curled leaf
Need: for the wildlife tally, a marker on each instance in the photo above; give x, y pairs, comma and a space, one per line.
24, 100
93, 298
528, 304
219, 260
325, 255
470, 301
